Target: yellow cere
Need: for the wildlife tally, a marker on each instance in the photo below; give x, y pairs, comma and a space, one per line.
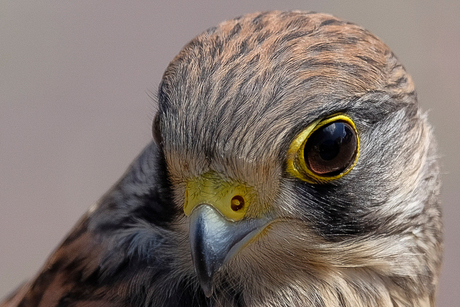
230, 197
296, 164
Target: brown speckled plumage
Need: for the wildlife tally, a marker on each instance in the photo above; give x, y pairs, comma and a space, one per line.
231, 102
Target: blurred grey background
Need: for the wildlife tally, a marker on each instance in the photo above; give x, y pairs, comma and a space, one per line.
75, 80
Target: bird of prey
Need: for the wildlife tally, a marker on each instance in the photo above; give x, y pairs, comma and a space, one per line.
290, 166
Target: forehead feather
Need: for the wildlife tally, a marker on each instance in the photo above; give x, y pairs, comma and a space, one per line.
240, 87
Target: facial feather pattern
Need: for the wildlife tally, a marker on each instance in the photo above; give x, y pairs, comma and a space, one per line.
230, 105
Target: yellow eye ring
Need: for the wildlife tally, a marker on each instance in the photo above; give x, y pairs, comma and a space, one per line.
332, 150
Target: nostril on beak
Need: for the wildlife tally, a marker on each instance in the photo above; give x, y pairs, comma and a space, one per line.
237, 203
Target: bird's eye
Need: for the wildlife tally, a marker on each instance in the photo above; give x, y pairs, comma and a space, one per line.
326, 150
330, 149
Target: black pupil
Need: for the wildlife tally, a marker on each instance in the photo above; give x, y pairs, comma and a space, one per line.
331, 149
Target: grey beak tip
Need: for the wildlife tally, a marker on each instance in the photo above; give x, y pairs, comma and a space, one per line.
207, 288
214, 240
206, 262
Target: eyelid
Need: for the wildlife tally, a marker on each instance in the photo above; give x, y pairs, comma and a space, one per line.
296, 164
156, 131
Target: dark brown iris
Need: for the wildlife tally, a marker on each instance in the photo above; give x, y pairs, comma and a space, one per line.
331, 149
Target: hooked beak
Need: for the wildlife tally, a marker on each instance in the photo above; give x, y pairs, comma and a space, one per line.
215, 240
218, 227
